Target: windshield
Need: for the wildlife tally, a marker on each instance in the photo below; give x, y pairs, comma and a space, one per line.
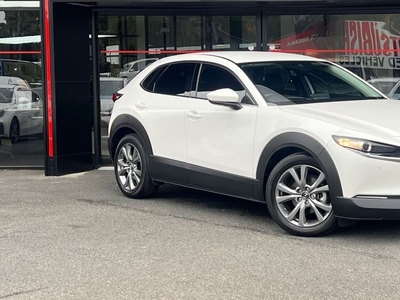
299, 82
126, 67
6, 95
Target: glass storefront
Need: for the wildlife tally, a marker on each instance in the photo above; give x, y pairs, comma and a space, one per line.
21, 100
367, 44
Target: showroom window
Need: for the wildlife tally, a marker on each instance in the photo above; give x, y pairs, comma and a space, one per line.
21, 103
367, 45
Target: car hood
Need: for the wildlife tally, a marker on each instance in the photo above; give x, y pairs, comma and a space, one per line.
372, 116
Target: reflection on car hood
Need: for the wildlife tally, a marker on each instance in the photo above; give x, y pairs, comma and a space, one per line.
365, 116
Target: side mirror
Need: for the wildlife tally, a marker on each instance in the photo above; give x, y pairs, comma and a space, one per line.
226, 97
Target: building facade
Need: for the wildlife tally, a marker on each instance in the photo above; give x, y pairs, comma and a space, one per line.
60, 62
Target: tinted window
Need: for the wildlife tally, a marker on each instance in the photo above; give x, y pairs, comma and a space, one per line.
149, 83
214, 78
6, 95
175, 80
126, 67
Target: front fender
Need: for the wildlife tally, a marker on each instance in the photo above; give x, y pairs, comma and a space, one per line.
307, 144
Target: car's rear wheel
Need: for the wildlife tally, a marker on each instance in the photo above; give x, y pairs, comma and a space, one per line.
14, 131
297, 194
132, 170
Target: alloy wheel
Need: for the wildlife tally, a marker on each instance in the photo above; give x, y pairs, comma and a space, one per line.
129, 167
302, 196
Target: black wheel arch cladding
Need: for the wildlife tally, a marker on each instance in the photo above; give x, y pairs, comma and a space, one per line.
129, 122
307, 144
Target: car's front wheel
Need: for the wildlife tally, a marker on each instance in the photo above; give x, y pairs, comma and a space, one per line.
297, 194
132, 170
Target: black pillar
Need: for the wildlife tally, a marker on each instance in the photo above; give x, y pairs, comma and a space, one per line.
70, 117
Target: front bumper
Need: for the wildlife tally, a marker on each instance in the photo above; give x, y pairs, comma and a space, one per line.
1, 129
368, 208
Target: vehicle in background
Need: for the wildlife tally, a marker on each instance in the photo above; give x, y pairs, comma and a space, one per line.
109, 86
384, 84
130, 70
395, 92
31, 72
21, 110
365, 72
7, 80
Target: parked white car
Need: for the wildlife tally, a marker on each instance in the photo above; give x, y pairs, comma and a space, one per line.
316, 143
395, 91
109, 86
384, 84
131, 69
21, 111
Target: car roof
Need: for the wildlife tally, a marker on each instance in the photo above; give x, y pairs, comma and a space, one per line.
141, 60
239, 57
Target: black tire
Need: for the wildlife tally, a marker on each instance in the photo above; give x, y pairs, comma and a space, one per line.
14, 131
131, 168
305, 209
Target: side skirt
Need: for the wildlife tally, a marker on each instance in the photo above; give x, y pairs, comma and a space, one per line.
191, 176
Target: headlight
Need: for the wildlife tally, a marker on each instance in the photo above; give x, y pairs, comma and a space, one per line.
368, 147
2, 112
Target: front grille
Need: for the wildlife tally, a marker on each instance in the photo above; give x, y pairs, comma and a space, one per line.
1, 129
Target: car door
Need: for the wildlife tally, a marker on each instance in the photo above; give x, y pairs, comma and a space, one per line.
162, 109
220, 139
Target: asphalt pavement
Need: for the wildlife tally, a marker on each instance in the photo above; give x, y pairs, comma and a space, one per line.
78, 237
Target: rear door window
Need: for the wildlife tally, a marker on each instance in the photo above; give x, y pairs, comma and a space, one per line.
176, 79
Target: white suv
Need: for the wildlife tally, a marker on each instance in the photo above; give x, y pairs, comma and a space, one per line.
316, 143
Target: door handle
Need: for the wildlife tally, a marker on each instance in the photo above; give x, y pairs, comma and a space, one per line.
193, 115
141, 105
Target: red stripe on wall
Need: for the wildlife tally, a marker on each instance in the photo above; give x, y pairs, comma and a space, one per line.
20, 52
49, 94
